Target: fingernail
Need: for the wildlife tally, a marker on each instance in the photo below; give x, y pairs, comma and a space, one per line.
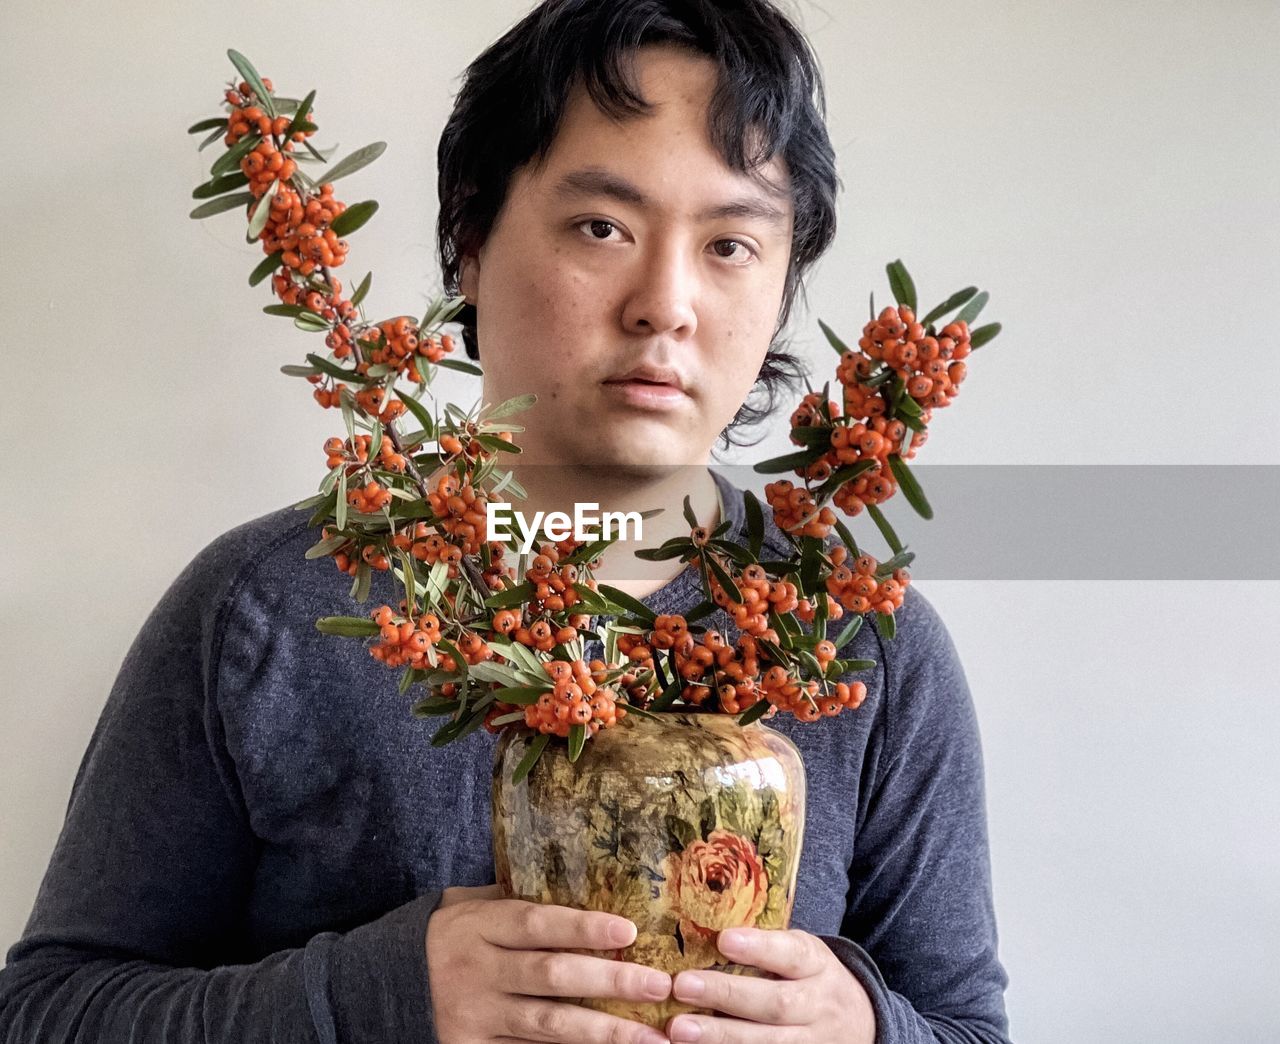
736, 941
621, 933
685, 1029
689, 985
657, 985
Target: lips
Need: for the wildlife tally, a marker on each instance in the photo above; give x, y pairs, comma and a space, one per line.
650, 375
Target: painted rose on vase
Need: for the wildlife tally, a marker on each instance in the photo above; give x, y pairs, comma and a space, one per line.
712, 885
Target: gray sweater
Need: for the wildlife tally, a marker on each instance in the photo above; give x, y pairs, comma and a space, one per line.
259, 829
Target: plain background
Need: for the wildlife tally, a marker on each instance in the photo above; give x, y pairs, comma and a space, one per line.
1109, 171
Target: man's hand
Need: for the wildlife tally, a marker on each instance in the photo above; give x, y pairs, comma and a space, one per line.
490, 961
817, 1000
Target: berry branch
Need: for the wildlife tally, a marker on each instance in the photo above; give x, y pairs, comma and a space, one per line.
500, 646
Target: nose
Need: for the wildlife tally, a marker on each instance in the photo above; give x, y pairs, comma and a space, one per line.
662, 299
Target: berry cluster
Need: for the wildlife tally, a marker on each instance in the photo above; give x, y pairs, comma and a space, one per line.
337, 451
930, 366
858, 589
576, 699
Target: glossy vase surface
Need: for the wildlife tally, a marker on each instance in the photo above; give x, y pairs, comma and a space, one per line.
687, 823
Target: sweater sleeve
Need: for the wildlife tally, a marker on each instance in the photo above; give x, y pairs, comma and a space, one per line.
919, 931
139, 920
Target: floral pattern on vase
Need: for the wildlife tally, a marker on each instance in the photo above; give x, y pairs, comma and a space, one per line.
687, 824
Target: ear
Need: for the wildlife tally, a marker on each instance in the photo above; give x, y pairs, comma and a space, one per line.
469, 278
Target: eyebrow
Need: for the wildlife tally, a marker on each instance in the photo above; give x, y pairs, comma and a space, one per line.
596, 181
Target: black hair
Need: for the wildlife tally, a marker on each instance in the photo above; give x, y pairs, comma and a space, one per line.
514, 94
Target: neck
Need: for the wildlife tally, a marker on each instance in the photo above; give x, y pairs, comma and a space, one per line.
556, 487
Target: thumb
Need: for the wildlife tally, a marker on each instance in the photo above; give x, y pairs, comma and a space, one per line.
461, 893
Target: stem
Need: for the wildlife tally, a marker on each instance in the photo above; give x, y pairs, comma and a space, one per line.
391, 432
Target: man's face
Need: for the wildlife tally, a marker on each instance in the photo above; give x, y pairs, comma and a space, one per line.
576, 286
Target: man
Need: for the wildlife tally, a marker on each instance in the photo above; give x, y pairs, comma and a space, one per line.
260, 844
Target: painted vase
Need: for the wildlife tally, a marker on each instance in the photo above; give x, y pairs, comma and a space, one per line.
686, 823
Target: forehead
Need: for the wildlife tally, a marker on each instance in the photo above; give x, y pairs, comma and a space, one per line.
767, 204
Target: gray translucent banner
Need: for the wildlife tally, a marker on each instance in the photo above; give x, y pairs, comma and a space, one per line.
1080, 522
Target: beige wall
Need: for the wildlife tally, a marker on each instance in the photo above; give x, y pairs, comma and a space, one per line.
1107, 170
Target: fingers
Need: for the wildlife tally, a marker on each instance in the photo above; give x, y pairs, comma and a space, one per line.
707, 1030
793, 954
548, 974
776, 1002
532, 1019
520, 925
460, 893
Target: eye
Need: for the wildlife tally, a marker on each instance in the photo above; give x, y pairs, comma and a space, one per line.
596, 221
738, 242
749, 253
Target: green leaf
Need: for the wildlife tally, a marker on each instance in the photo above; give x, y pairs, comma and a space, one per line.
432, 705
633, 605
970, 311
360, 587
495, 444
358, 159
904, 290
217, 186
689, 516
661, 554
886, 625
847, 635
437, 581
419, 412
910, 486
954, 301
347, 626
246, 69
340, 505
209, 124
723, 578
453, 651
460, 366
230, 160
321, 157
980, 336
326, 547
886, 530
265, 267
346, 401
289, 310
511, 597
300, 115
513, 405
362, 289
262, 212
409, 577
577, 740
353, 217
221, 204
530, 757
333, 369
755, 522
219, 133
521, 694
309, 325
847, 538
808, 435
789, 462
835, 343
753, 713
